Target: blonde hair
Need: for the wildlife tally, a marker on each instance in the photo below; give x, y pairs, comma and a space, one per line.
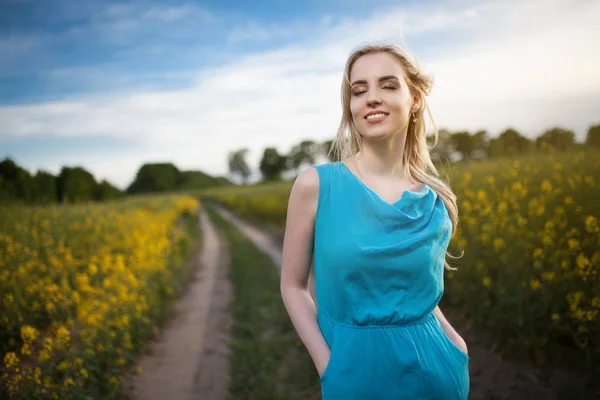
416, 160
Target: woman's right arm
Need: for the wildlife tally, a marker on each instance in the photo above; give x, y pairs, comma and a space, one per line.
295, 269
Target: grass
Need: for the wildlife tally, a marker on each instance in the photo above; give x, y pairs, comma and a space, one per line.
268, 359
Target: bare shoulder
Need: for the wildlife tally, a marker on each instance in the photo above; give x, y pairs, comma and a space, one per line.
307, 183
305, 191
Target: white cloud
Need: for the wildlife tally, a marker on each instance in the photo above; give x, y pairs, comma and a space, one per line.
528, 65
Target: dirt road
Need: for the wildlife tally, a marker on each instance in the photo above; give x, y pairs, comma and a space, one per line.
189, 360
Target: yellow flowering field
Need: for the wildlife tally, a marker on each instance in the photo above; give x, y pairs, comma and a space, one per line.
530, 234
82, 287
531, 240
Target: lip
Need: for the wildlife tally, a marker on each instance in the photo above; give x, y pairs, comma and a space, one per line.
373, 121
376, 112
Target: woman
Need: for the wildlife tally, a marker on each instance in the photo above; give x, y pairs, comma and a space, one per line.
378, 226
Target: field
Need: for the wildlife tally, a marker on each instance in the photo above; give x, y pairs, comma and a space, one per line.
530, 235
83, 287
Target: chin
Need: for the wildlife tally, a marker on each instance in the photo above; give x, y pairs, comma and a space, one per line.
376, 134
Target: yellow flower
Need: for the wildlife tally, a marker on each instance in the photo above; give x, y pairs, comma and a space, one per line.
498, 244
11, 360
44, 355
535, 284
568, 200
26, 349
548, 276
538, 253
84, 373
8, 299
64, 365
547, 241
63, 336
555, 317
591, 224
573, 244
487, 281
29, 333
546, 186
582, 261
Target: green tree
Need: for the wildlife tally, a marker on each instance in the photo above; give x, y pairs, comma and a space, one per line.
593, 136
75, 184
556, 139
106, 191
46, 190
305, 152
481, 144
328, 152
238, 165
444, 147
463, 142
17, 183
272, 164
198, 180
509, 143
157, 177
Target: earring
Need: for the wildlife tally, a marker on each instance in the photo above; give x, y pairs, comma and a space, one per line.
414, 118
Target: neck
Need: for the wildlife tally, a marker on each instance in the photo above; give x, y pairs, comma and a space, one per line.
382, 157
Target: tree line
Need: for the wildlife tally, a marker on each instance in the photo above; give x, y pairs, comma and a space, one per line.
76, 184
451, 147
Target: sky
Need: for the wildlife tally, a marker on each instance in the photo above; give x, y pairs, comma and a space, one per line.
110, 85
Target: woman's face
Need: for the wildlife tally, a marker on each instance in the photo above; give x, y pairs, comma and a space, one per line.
378, 88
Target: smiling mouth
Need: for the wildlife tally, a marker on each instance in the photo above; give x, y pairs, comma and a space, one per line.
376, 116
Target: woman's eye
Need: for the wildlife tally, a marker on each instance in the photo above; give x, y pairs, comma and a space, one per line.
389, 87
358, 92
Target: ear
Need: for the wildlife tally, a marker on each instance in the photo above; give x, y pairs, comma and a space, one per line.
416, 101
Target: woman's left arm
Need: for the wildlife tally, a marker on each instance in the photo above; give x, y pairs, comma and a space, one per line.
450, 331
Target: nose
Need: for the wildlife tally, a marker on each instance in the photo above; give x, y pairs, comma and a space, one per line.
373, 97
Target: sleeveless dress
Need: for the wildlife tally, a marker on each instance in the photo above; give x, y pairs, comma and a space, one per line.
378, 270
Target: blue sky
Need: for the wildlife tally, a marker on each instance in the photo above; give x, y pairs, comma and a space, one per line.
111, 85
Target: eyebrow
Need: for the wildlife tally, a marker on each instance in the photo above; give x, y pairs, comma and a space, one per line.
383, 78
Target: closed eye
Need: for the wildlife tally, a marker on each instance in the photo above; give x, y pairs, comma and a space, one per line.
386, 86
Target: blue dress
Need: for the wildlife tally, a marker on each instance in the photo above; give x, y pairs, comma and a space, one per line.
379, 275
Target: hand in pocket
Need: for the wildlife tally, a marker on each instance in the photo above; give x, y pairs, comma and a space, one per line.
321, 370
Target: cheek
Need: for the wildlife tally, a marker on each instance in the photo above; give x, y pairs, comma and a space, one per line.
355, 110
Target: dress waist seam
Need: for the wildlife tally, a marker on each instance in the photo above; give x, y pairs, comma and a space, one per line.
416, 321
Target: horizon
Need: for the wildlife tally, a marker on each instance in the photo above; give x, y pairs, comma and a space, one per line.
111, 86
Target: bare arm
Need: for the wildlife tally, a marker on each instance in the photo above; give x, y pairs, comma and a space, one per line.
450, 331
295, 270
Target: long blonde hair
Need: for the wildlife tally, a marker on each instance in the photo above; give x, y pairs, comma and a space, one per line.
416, 160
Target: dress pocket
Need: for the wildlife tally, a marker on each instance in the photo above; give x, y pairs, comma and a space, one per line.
457, 349
450, 343
327, 370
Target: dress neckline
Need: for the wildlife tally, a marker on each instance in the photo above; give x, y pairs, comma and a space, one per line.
405, 194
